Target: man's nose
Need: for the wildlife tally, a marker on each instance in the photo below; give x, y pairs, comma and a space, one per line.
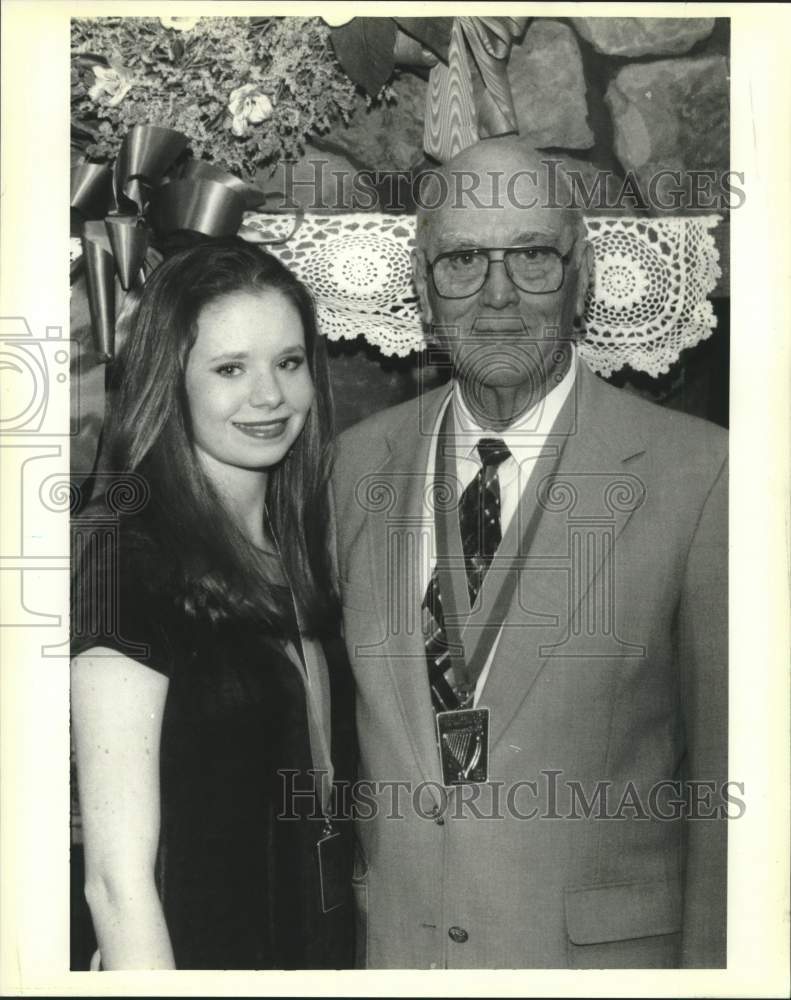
266, 391
499, 291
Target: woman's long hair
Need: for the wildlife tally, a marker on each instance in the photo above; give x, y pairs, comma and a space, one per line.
218, 571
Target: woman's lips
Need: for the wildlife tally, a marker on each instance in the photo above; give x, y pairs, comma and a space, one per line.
264, 430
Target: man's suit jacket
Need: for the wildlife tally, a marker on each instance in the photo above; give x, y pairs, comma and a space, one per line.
610, 679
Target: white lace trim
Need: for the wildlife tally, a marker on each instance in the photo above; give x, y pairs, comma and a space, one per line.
649, 299
358, 268
650, 296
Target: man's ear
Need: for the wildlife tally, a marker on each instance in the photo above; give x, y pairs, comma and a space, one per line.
420, 275
584, 276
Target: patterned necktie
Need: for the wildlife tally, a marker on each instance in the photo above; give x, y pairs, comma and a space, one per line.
479, 514
479, 525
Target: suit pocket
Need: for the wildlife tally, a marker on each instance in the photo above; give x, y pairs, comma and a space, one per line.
624, 925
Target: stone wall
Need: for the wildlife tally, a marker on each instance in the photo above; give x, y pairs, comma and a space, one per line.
624, 95
619, 94
638, 95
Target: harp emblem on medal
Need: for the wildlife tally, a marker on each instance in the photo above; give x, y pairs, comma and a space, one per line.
463, 743
458, 745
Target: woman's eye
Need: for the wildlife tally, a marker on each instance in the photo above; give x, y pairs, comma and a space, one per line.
229, 369
291, 364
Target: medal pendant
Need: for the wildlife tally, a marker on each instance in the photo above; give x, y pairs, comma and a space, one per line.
463, 738
334, 876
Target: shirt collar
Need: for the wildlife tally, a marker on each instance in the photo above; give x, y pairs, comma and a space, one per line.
524, 434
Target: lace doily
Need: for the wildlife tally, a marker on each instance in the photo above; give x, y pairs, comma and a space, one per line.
358, 268
650, 295
648, 301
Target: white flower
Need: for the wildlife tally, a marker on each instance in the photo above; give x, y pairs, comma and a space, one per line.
111, 82
336, 22
248, 106
179, 23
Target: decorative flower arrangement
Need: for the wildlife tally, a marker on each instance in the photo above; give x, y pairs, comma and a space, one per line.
247, 91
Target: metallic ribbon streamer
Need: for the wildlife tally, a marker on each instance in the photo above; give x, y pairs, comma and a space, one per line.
146, 153
146, 193
203, 206
456, 115
91, 189
100, 281
129, 242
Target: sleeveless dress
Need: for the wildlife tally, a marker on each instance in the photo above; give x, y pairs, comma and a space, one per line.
237, 867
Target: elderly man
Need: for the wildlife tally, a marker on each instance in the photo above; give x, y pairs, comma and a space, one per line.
533, 571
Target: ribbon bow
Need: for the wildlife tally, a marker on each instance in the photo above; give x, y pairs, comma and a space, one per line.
461, 108
147, 192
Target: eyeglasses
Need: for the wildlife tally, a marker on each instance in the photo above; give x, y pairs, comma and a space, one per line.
459, 274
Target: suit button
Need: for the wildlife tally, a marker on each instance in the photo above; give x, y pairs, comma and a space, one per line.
458, 934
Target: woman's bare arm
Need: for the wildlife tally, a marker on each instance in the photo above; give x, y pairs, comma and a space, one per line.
117, 706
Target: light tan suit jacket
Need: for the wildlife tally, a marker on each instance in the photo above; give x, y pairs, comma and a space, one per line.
610, 673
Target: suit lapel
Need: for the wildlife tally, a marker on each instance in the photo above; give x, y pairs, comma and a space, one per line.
598, 440
397, 542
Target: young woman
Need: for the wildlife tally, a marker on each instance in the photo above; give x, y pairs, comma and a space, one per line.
197, 708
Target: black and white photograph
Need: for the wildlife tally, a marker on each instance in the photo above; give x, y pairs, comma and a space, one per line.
395, 579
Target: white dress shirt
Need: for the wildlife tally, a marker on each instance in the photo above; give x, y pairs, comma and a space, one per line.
525, 440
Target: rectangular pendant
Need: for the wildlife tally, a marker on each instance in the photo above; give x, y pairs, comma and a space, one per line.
333, 876
463, 738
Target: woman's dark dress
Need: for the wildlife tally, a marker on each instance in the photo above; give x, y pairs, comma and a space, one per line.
239, 885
